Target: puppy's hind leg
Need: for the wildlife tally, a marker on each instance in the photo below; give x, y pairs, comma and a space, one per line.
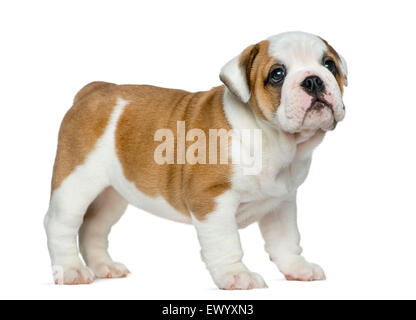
66, 211
101, 215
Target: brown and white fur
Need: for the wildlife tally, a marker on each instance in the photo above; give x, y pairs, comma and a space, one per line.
105, 160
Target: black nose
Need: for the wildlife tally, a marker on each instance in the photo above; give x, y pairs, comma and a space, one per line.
313, 84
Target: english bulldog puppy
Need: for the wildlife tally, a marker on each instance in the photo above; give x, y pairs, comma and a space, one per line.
288, 88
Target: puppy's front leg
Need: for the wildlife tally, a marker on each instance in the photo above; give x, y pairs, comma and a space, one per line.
221, 247
280, 232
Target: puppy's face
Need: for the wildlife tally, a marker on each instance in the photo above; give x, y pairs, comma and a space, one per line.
293, 80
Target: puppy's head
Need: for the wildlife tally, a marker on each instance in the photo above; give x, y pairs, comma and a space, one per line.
293, 80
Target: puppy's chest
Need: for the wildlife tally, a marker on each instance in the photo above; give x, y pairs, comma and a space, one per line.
278, 182
265, 191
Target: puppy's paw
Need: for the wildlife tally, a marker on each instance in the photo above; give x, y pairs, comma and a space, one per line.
110, 270
298, 269
242, 280
73, 275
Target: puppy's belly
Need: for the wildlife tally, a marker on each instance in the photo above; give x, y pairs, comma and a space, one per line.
247, 214
157, 206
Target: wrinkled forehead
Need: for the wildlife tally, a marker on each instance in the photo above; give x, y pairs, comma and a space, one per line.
297, 48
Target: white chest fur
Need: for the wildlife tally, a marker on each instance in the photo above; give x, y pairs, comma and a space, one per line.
278, 181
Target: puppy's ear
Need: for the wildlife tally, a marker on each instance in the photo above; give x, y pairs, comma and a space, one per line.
344, 69
236, 73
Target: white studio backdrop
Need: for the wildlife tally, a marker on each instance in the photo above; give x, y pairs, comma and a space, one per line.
357, 211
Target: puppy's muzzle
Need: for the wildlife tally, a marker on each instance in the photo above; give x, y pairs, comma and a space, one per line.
315, 87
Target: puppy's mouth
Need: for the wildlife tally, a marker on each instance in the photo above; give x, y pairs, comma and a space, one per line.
319, 104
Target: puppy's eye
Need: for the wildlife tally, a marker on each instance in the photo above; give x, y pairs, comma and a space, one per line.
277, 76
331, 66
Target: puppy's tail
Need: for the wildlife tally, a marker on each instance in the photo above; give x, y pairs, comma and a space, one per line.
89, 88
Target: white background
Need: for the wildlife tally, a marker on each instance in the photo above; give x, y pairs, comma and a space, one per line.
356, 210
